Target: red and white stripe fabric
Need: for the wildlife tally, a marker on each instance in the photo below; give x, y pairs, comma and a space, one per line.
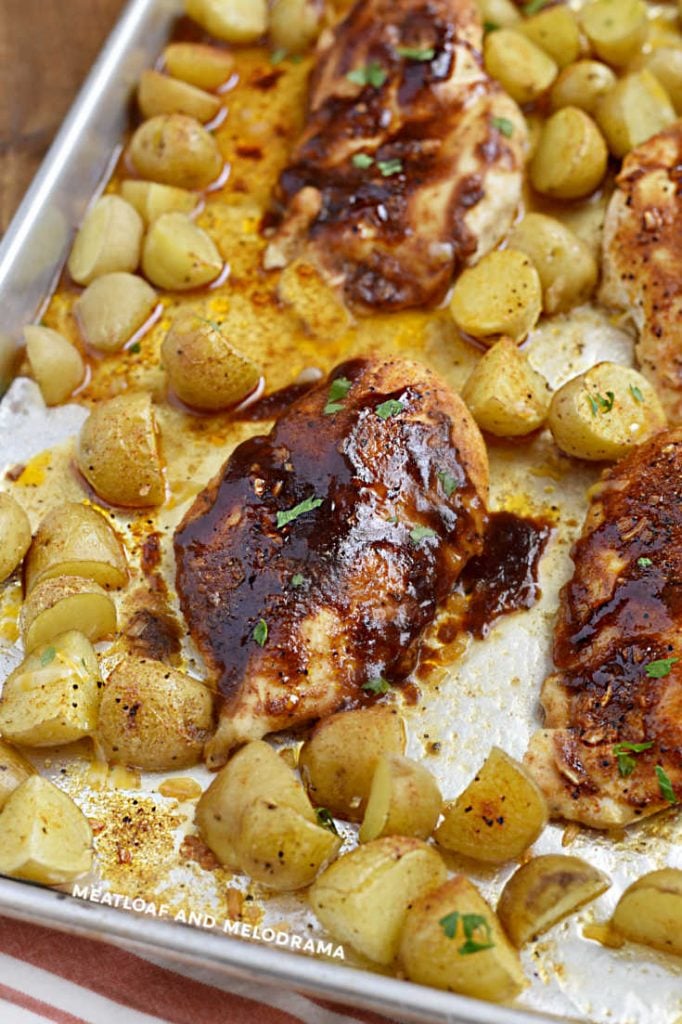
46, 976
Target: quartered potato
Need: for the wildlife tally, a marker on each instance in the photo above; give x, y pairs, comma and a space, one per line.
616, 29
44, 836
295, 24
53, 696
505, 395
63, 603
15, 535
519, 65
582, 85
118, 452
160, 94
543, 891
605, 412
109, 239
501, 294
56, 366
175, 149
571, 158
568, 270
650, 911
555, 30
235, 21
498, 816
207, 67
151, 199
635, 109
665, 63
363, 898
498, 13
404, 800
153, 717
204, 369
179, 255
452, 940
76, 540
112, 309
338, 762
14, 769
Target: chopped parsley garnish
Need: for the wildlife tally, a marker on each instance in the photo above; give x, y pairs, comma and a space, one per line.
289, 514
636, 393
338, 389
362, 160
665, 785
659, 669
135, 348
260, 633
390, 167
626, 763
503, 125
489, 26
277, 56
534, 6
644, 563
601, 403
447, 482
325, 819
298, 579
414, 53
420, 533
48, 655
371, 74
471, 924
377, 686
389, 408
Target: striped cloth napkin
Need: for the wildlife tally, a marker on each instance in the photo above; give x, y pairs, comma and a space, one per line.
48, 976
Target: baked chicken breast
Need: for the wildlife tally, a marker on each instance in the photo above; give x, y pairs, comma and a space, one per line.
611, 751
642, 253
411, 161
313, 563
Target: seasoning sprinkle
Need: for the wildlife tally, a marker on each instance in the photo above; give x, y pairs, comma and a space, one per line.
260, 633
362, 160
389, 408
420, 533
371, 74
504, 126
325, 819
289, 514
659, 669
414, 53
390, 167
377, 686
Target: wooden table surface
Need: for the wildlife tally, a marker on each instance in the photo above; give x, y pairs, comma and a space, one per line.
46, 50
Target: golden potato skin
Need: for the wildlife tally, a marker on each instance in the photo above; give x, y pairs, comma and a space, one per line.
505, 395
452, 940
15, 535
616, 29
501, 294
363, 898
56, 365
555, 30
153, 717
178, 255
14, 769
160, 94
56, 605
635, 109
568, 270
109, 240
338, 762
152, 199
571, 158
76, 540
502, 13
112, 309
404, 800
207, 67
582, 85
295, 24
519, 65
175, 149
665, 64
650, 911
235, 21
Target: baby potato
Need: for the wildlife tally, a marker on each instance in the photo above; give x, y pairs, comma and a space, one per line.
151, 199
178, 255
604, 413
207, 67
56, 605
555, 30
571, 158
53, 696
452, 940
76, 540
363, 898
235, 21
15, 535
635, 109
153, 717
44, 835
582, 85
404, 800
522, 68
543, 891
57, 367
118, 452
568, 270
109, 239
498, 13
505, 395
112, 309
665, 64
338, 762
175, 149
501, 294
160, 94
616, 29
14, 769
204, 369
498, 816
295, 24
650, 911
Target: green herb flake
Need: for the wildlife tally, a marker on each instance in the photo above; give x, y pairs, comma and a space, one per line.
449, 924
377, 686
490, 26
338, 390
135, 348
325, 819
601, 403
389, 408
390, 167
659, 669
636, 393
472, 924
644, 563
414, 53
447, 482
277, 56
371, 74
533, 7
362, 160
504, 126
260, 633
665, 785
48, 655
420, 533
626, 763
289, 514
298, 579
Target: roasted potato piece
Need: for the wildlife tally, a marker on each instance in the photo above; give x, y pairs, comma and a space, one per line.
151, 199
112, 309
76, 540
543, 891
604, 413
505, 395
44, 836
555, 30
179, 255
57, 367
14, 769
53, 696
635, 109
295, 24
207, 67
160, 94
175, 149
15, 535
362, 899
571, 158
582, 85
568, 270
452, 940
522, 68
498, 816
650, 911
338, 762
204, 369
152, 717
108, 240
56, 605
616, 29
235, 21
498, 14
118, 452
665, 63
501, 294
404, 800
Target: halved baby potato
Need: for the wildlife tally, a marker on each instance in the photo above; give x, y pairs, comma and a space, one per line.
151, 199
76, 540
161, 94
582, 85
56, 365
635, 109
555, 30
501, 294
616, 29
568, 270
523, 69
15, 535
504, 394
543, 891
665, 63
14, 769
207, 67
112, 309
179, 255
175, 149
650, 911
295, 24
64, 603
498, 816
235, 21
109, 240
500, 13
571, 158
404, 800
